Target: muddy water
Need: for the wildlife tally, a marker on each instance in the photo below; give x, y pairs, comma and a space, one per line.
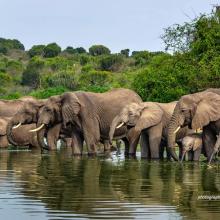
58, 186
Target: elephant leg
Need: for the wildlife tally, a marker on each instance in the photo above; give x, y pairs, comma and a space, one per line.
144, 142
155, 135
107, 146
196, 154
53, 136
209, 140
126, 143
133, 137
190, 155
77, 144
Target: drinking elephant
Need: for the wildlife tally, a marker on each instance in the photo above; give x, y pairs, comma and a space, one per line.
9, 107
150, 120
191, 145
21, 136
90, 114
28, 114
198, 110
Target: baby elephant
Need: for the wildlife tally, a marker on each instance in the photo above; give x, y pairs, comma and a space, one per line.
19, 137
191, 144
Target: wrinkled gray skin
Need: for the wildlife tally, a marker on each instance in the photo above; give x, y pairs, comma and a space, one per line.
28, 114
192, 145
90, 114
198, 110
9, 107
21, 136
150, 120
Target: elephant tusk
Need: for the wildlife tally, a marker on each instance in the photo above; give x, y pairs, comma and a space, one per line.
120, 125
177, 130
17, 126
37, 129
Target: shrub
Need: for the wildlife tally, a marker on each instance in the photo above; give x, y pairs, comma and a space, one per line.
97, 50
36, 50
111, 62
51, 50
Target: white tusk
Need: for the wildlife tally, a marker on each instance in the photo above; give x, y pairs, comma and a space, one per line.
120, 125
177, 130
37, 129
17, 126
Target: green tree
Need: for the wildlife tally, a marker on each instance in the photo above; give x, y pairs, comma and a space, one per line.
125, 52
31, 75
7, 44
36, 50
111, 62
97, 50
51, 50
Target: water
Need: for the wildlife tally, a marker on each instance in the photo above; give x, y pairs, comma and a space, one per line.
58, 186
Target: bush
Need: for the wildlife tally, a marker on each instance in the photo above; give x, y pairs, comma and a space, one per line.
36, 50
31, 75
95, 81
7, 44
51, 50
46, 93
111, 62
97, 50
125, 52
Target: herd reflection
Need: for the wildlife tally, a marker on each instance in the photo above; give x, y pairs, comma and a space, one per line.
117, 187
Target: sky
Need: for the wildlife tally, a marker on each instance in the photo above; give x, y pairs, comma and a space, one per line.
117, 24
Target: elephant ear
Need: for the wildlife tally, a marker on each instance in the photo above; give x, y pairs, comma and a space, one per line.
150, 116
70, 107
208, 110
197, 144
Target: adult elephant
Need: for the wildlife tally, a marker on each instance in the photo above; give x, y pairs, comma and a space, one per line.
21, 135
90, 114
198, 110
29, 114
9, 107
150, 120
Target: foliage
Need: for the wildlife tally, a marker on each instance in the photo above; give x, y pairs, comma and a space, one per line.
36, 50
45, 93
7, 44
111, 62
125, 52
97, 50
193, 65
51, 50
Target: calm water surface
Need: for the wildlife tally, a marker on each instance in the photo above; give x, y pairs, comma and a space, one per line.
58, 186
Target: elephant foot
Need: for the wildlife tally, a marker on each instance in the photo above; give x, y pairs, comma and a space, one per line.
92, 154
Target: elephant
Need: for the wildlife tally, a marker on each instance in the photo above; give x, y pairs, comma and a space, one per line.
198, 110
90, 114
28, 114
21, 135
9, 107
150, 120
191, 144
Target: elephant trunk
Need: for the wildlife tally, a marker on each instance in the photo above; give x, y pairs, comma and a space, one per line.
183, 155
10, 125
113, 126
172, 130
212, 155
40, 138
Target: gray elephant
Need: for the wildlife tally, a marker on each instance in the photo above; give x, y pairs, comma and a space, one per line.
9, 107
21, 136
191, 145
198, 110
90, 114
28, 114
149, 119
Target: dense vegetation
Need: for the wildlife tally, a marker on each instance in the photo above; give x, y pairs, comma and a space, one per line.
192, 64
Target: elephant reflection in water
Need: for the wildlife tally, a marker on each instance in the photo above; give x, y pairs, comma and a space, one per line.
73, 184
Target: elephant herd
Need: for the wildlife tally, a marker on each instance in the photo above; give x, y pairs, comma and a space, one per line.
192, 122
